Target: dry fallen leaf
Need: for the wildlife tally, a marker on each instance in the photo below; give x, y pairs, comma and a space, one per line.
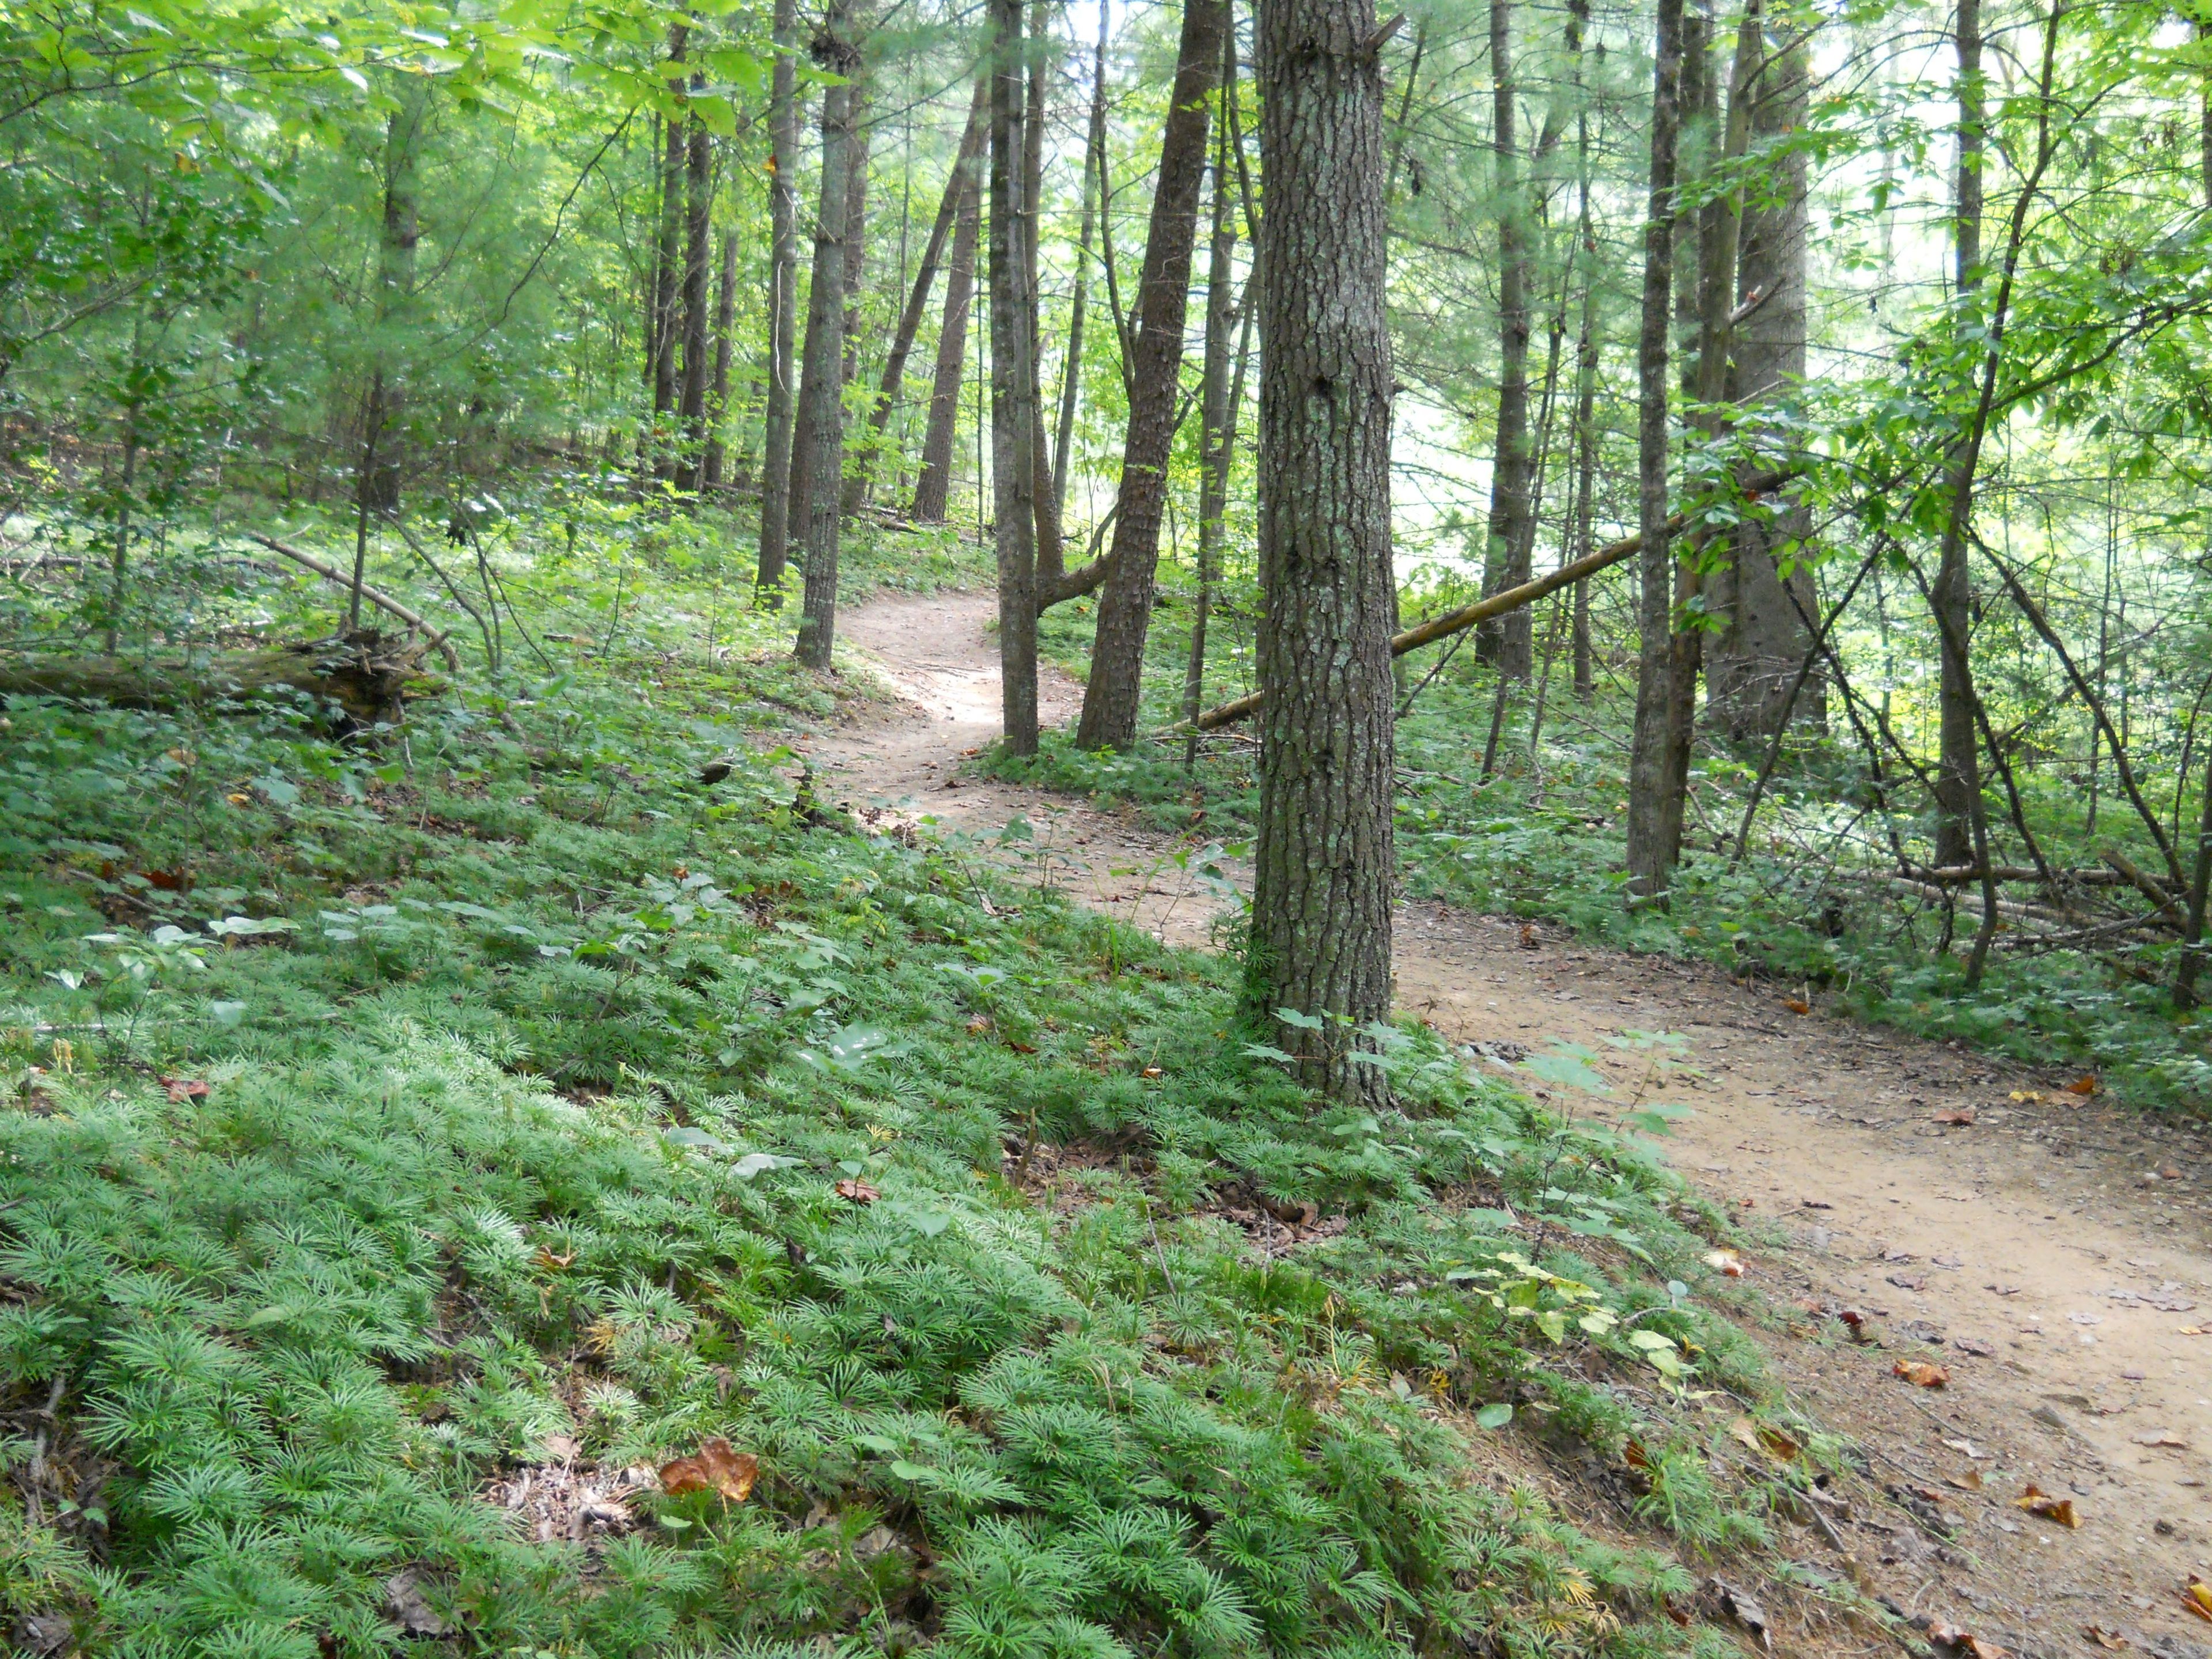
2197, 1598
1971, 1480
714, 1467
858, 1191
2111, 1640
1961, 1116
978, 1024
2036, 1501
2027, 1095
552, 1263
2082, 1085
1964, 1641
1973, 1344
182, 1088
2161, 1440
1150, 1071
1909, 1281
2195, 1330
1727, 1261
1921, 1374
1741, 1608
1795, 1006
1772, 1443
1635, 1456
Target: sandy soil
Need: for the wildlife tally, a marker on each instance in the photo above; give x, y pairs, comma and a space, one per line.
2054, 1255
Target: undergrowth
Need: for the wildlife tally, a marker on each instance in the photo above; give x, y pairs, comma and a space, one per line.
386, 1120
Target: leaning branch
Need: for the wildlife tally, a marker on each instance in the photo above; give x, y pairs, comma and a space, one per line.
382, 601
1470, 616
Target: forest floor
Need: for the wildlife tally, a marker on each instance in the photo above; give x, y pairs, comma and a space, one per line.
2050, 1250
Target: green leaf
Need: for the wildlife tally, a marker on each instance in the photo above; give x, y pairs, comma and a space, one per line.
1496, 1415
876, 1442
902, 1470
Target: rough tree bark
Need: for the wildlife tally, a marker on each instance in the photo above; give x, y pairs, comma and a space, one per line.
856, 224
1751, 662
1957, 766
1071, 373
925, 281
1586, 358
1013, 387
1507, 642
1051, 562
1125, 608
668, 267
1216, 433
852, 240
1650, 867
821, 403
1321, 910
932, 487
782, 302
718, 414
698, 245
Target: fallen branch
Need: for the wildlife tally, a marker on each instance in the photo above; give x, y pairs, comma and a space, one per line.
381, 600
1497, 605
364, 676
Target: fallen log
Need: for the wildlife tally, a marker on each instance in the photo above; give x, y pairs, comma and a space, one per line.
367, 678
376, 597
1497, 605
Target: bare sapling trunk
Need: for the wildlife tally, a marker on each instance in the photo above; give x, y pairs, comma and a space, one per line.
1051, 562
1507, 642
718, 412
1584, 505
1110, 701
1323, 864
668, 267
933, 488
698, 239
1013, 389
1071, 373
925, 282
782, 303
821, 386
1651, 864
2192, 944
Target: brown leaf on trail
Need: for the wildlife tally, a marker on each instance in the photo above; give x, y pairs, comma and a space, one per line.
2111, 1640
2036, 1501
1796, 1005
1909, 1281
1960, 1116
1921, 1374
182, 1088
2195, 1330
2004, 1290
552, 1263
858, 1191
2086, 1084
1741, 1607
1150, 1070
714, 1467
1727, 1261
1529, 936
1969, 1481
1975, 1346
1635, 1456
2027, 1097
1964, 1641
1770, 1442
1814, 1204
2161, 1440
2197, 1597
1021, 1047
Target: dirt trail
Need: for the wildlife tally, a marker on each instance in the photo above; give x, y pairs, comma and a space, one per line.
2054, 1255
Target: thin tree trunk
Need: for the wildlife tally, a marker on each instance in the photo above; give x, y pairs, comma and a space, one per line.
932, 490
2192, 945
1958, 773
925, 280
698, 255
1044, 499
856, 226
1071, 373
1649, 868
1215, 418
782, 303
821, 404
1505, 562
402, 230
1323, 864
1013, 389
718, 415
668, 269
1586, 361
1111, 699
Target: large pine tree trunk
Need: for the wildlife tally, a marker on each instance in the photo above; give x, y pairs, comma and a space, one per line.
782, 302
933, 488
1013, 388
1957, 767
698, 246
1321, 905
925, 280
1217, 419
1650, 862
1763, 638
821, 383
1506, 562
1125, 609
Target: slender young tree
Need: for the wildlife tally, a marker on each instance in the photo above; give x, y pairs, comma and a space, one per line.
1110, 701
1508, 641
1013, 387
1650, 868
1070, 371
718, 413
1582, 505
821, 383
932, 487
1322, 867
668, 266
925, 280
698, 239
1042, 50
782, 303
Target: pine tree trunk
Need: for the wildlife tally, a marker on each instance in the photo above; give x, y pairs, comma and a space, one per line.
1650, 865
1506, 562
1586, 364
1763, 639
667, 319
1111, 699
1323, 865
718, 415
1013, 387
933, 488
1957, 766
1071, 373
698, 253
782, 302
1051, 561
925, 279
1216, 419
377, 487
856, 227
821, 402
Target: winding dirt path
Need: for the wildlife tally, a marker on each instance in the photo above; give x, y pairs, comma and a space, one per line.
2054, 1254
